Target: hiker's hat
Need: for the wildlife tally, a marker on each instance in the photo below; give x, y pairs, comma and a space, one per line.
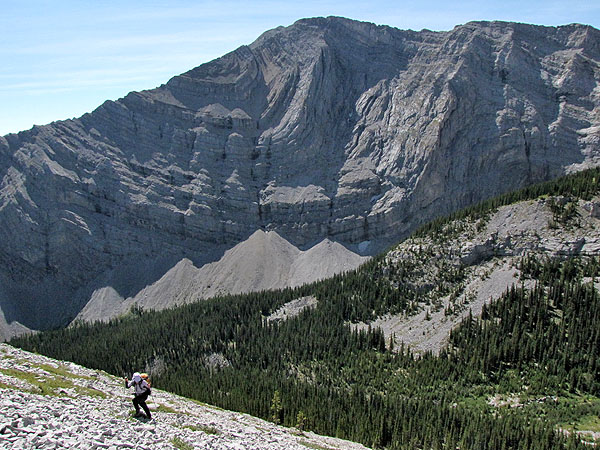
137, 376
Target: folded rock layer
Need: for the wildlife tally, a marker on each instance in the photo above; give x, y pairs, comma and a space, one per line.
328, 128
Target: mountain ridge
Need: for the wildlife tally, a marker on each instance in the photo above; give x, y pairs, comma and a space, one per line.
325, 129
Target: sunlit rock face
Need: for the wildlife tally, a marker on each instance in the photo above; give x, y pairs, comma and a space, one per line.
329, 128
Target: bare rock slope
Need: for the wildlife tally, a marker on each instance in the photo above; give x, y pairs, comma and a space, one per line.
264, 261
469, 263
45, 403
329, 128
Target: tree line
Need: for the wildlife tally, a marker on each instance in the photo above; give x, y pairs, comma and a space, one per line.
349, 383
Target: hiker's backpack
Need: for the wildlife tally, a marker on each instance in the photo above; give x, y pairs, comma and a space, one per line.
147, 380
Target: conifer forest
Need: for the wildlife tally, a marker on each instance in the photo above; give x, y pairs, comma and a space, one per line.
540, 344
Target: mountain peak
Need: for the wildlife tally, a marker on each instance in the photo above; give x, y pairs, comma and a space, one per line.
328, 128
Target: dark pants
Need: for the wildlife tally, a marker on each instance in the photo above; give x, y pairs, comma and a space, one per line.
140, 400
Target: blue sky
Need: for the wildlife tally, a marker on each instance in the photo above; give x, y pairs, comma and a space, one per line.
63, 58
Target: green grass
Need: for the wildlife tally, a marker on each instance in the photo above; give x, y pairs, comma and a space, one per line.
61, 371
45, 386
475, 403
314, 446
181, 444
204, 428
90, 392
578, 413
588, 423
52, 385
585, 426
6, 386
165, 409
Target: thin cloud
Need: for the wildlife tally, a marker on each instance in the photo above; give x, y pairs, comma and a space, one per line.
60, 54
90, 46
73, 81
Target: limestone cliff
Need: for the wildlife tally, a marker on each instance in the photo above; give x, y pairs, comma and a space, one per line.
328, 128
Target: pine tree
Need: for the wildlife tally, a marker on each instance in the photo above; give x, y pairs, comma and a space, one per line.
276, 408
301, 421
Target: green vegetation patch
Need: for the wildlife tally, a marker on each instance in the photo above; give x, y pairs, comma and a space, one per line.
45, 385
577, 413
314, 446
588, 423
181, 444
53, 385
6, 386
61, 371
89, 392
204, 428
166, 409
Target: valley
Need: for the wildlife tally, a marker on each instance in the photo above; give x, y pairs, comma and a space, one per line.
516, 369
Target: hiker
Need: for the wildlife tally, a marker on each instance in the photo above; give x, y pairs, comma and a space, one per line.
142, 391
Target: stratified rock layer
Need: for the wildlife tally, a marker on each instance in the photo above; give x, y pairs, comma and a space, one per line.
327, 128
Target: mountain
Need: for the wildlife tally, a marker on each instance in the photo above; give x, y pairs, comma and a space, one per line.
481, 330
9, 330
329, 128
264, 261
49, 403
467, 263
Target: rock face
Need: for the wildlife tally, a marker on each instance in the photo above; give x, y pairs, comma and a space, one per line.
8, 330
71, 407
329, 128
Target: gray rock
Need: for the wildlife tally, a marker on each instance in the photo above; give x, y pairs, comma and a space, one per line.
329, 128
27, 421
263, 261
216, 361
594, 209
293, 309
